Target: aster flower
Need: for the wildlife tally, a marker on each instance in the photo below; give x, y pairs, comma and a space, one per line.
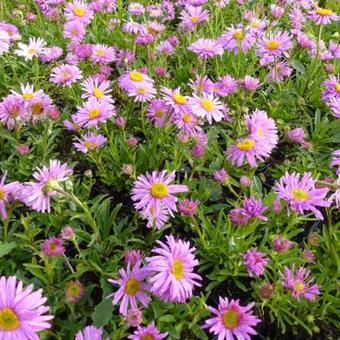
153, 191
156, 218
67, 233
206, 48
65, 74
253, 208
238, 216
130, 80
27, 92
296, 135
255, 261
297, 18
192, 16
102, 54
336, 195
188, 207
336, 160
235, 38
40, 107
186, 122
175, 99
142, 93
221, 176
6, 191
53, 247
279, 71
231, 320
78, 10
132, 257
225, 85
132, 288
34, 48
37, 195
202, 84
157, 112
74, 30
90, 141
300, 193
93, 112
172, 277
134, 317
12, 110
5, 41
165, 48
308, 256
146, 333
208, 107
92, 88
297, 284
322, 16
136, 8
281, 244
22, 311
89, 333
332, 90
74, 291
249, 83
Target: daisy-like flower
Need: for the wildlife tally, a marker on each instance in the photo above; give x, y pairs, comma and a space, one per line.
281, 244
156, 219
188, 207
249, 83
90, 141
158, 112
192, 16
78, 10
297, 18
186, 122
53, 247
236, 38
74, 291
89, 333
133, 256
37, 195
148, 333
23, 313
208, 107
171, 270
40, 106
279, 71
336, 195
225, 85
5, 41
12, 110
206, 48
232, 320
132, 288
297, 284
296, 135
27, 92
221, 176
34, 48
332, 85
65, 74
202, 84
248, 148
165, 47
142, 93
253, 208
134, 317
51, 53
322, 16
153, 191
136, 8
336, 161
131, 79
92, 88
255, 261
74, 30
6, 191
274, 45
300, 193
102, 54
334, 105
175, 99
93, 112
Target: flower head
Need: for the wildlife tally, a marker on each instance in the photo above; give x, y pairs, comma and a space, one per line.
65, 74
206, 48
323, 16
74, 291
255, 261
34, 48
188, 207
53, 247
78, 10
89, 333
90, 141
148, 333
281, 244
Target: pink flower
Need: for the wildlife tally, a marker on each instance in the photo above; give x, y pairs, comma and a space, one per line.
142, 93
51, 53
332, 90
134, 317
175, 99
148, 333
157, 112
74, 291
336, 160
67, 233
188, 207
221, 176
296, 135
172, 277
89, 142
192, 16
89, 333
13, 110
323, 16
296, 283
102, 54
132, 257
255, 262
132, 79
53, 247
206, 48
281, 244
249, 83
74, 30
65, 74
78, 10
92, 88
7, 191
132, 288
231, 320
245, 181
235, 38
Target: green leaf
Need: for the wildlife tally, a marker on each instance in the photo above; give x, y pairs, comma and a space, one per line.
167, 318
298, 66
102, 313
6, 248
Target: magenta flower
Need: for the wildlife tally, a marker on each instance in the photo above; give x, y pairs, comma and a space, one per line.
89, 142
322, 16
238, 217
74, 30
78, 10
206, 48
186, 122
253, 208
332, 90
132, 288
22, 311
192, 16
221, 176
280, 71
281, 244
154, 191
6, 193
134, 317
297, 18
37, 195
172, 277
249, 83
53, 247
142, 93
92, 88
130, 80
296, 135
132, 257
13, 110
158, 219
231, 320
51, 53
225, 85
102, 54
300, 193
235, 38
93, 112
65, 74
175, 99
297, 284
157, 112
148, 333
188, 207
336, 160
67, 233
89, 333
334, 105
255, 261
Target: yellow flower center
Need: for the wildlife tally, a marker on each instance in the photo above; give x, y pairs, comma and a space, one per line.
194, 19
67, 75
299, 286
79, 11
142, 90
273, 45
2, 194
37, 109
177, 269
98, 93
100, 53
90, 145
187, 118
255, 24
94, 113
324, 11
9, 320
246, 145
260, 132
207, 105
136, 76
32, 51
159, 190
179, 99
73, 289
159, 113
230, 318
148, 336
238, 35
27, 96
337, 87
300, 194
132, 286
